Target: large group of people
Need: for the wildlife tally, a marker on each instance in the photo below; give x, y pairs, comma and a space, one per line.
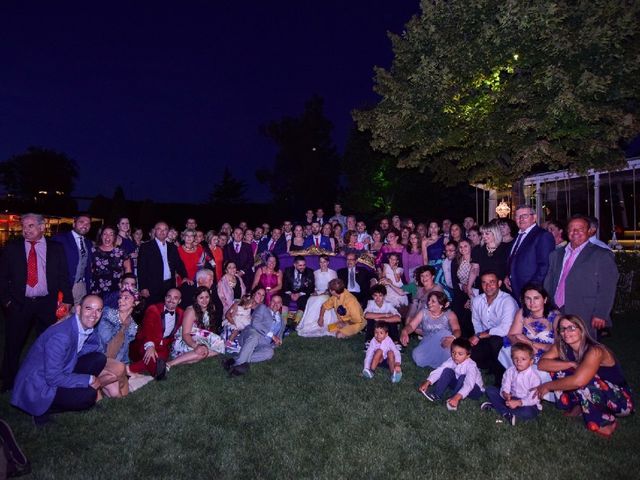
523, 301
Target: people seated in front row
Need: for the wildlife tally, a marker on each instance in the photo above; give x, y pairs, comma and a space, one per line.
348, 310
65, 369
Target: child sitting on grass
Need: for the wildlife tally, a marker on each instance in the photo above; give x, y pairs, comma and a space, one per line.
382, 352
459, 373
241, 315
379, 310
515, 399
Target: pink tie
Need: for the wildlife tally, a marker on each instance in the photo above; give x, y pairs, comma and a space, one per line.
559, 296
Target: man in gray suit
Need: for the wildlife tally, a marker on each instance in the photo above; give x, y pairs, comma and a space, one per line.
258, 340
582, 277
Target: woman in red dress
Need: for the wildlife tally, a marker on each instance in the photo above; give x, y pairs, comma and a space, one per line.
190, 254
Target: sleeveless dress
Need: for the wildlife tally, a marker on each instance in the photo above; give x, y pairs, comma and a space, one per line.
393, 297
201, 334
429, 352
268, 281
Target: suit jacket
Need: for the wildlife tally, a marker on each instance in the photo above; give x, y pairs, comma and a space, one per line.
590, 287
13, 273
363, 278
150, 267
530, 263
68, 242
307, 284
152, 329
324, 242
49, 365
243, 259
262, 320
278, 249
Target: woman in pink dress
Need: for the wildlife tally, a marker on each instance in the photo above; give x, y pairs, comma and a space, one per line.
269, 277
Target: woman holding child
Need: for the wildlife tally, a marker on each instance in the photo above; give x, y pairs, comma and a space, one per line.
438, 327
589, 376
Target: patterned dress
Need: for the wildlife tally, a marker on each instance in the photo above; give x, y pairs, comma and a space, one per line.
201, 334
106, 270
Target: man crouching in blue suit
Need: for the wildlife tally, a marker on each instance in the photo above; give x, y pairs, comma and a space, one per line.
65, 368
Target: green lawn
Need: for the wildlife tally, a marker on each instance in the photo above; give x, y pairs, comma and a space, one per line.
308, 414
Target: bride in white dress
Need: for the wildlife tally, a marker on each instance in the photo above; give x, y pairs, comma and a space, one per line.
308, 326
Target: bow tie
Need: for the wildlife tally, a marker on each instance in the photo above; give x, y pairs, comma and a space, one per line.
167, 312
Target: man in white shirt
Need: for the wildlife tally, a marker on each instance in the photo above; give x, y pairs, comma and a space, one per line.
492, 314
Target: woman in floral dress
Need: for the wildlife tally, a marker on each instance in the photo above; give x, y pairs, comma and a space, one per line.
108, 263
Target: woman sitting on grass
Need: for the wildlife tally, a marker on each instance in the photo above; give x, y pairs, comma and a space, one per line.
589, 376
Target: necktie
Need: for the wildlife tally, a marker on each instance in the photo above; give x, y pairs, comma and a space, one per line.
317, 241
32, 266
559, 296
271, 243
237, 248
352, 278
517, 244
83, 251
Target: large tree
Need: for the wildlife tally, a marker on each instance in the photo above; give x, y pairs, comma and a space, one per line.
39, 170
490, 90
229, 190
306, 170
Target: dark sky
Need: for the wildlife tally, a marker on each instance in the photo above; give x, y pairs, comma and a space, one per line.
159, 96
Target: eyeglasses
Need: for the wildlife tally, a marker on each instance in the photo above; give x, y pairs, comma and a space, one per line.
570, 328
524, 216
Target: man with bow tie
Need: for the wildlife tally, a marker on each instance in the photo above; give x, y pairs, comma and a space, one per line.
149, 352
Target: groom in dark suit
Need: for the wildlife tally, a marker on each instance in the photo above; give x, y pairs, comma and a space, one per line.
529, 258
158, 263
298, 283
32, 272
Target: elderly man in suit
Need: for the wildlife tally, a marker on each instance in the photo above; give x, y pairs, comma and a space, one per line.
65, 368
158, 263
149, 352
529, 258
32, 272
582, 277
357, 280
77, 249
241, 254
258, 340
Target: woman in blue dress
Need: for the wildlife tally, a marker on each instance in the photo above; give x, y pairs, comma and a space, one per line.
438, 327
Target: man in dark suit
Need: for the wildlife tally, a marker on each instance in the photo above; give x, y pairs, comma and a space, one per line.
77, 249
529, 257
357, 280
316, 238
277, 244
32, 272
298, 283
582, 277
241, 254
158, 263
149, 352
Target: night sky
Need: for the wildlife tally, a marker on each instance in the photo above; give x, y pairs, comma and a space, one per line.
160, 97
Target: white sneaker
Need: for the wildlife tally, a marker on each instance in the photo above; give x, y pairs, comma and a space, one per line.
366, 373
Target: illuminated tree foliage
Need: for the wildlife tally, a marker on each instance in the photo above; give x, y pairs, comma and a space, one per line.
489, 91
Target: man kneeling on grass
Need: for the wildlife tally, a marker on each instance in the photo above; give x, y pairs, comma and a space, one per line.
258, 340
65, 369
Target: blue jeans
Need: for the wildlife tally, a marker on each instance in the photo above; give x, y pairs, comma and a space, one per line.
521, 413
448, 380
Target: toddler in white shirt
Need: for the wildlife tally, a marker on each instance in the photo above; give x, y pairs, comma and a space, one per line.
459, 373
382, 352
515, 399
241, 315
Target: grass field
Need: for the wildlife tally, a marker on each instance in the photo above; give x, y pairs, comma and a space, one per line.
308, 414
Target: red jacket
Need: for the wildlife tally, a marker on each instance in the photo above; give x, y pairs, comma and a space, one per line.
151, 329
